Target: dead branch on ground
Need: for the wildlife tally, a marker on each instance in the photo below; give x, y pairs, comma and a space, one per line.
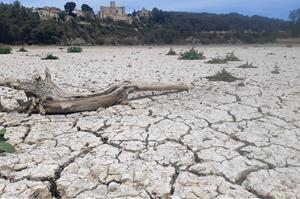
45, 97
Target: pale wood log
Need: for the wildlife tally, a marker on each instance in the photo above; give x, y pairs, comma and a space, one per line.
45, 97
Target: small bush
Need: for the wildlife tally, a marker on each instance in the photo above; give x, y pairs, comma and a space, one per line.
289, 46
22, 49
223, 76
50, 57
5, 147
217, 60
232, 57
192, 54
275, 70
171, 52
5, 50
247, 65
74, 49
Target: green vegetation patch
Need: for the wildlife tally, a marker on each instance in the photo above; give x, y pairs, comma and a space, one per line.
171, 52
50, 57
232, 57
223, 76
192, 54
217, 60
5, 50
74, 49
4, 146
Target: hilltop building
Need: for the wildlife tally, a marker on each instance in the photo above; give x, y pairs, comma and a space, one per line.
144, 13
116, 13
47, 12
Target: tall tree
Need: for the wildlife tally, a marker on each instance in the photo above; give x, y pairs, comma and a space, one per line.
295, 18
70, 7
87, 8
295, 15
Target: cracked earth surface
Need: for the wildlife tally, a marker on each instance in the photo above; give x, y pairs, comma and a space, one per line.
220, 140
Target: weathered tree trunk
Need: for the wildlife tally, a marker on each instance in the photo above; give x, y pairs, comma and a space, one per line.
45, 97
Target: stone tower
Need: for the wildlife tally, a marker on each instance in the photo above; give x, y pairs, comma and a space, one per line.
116, 13
112, 4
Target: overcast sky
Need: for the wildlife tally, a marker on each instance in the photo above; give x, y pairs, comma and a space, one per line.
269, 8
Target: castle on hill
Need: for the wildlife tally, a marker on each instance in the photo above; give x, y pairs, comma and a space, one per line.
116, 13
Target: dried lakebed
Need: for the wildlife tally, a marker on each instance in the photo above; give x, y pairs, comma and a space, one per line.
220, 140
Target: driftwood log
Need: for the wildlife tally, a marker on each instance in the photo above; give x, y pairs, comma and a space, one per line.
45, 97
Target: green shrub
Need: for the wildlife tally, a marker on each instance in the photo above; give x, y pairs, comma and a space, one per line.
247, 65
223, 76
5, 147
232, 57
217, 60
50, 57
171, 52
22, 49
74, 49
191, 54
5, 50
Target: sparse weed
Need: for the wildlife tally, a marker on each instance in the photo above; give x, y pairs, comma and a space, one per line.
247, 65
50, 57
241, 84
217, 60
270, 54
171, 52
232, 57
5, 50
192, 54
74, 49
223, 76
276, 70
22, 49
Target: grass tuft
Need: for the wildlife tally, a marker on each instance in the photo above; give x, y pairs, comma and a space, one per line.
22, 49
74, 49
247, 65
192, 54
232, 57
50, 57
217, 60
171, 52
270, 54
223, 76
276, 70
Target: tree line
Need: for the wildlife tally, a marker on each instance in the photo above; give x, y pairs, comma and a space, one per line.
19, 25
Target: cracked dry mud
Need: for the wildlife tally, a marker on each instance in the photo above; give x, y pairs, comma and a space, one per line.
220, 140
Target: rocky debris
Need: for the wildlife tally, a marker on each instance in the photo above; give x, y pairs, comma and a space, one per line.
220, 140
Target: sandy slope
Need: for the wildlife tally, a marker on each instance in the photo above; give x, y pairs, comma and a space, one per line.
220, 140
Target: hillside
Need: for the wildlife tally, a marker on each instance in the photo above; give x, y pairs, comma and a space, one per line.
19, 25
